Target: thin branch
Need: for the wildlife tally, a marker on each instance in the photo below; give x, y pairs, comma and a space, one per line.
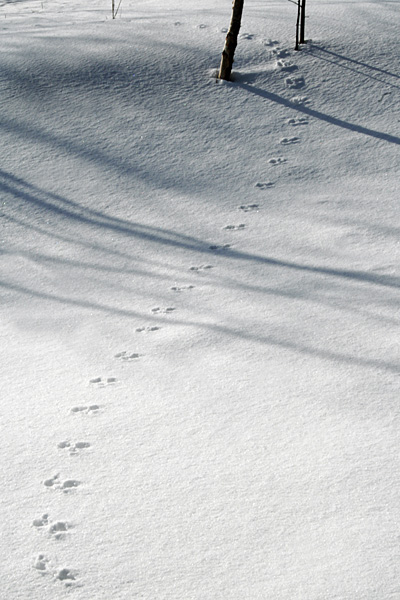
116, 12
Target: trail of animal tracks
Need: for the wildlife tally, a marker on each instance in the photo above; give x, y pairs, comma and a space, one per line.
199, 302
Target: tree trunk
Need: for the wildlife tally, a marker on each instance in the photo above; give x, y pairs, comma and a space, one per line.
231, 41
303, 22
297, 26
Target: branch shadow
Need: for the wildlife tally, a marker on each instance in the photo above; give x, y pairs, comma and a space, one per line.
335, 55
67, 209
72, 211
319, 115
230, 331
63, 209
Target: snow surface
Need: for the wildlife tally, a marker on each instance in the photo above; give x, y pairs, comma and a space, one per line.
199, 302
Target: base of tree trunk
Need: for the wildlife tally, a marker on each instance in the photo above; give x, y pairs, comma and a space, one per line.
228, 52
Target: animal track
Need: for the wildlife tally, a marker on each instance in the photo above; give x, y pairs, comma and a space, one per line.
266, 185
68, 484
297, 122
295, 83
300, 100
247, 36
235, 227
163, 311
73, 448
201, 268
103, 383
65, 575
147, 329
44, 520
92, 409
286, 66
44, 566
222, 247
80, 445
52, 481
281, 52
41, 564
270, 43
176, 288
65, 486
57, 529
287, 141
279, 160
125, 356
248, 207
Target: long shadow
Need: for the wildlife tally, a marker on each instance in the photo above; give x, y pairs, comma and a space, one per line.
352, 60
238, 332
225, 282
48, 259
352, 69
71, 210
63, 207
319, 115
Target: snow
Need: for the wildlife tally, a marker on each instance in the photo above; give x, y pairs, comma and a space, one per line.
199, 302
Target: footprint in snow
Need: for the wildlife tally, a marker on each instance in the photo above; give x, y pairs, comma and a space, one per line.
162, 311
73, 449
201, 268
279, 160
182, 288
264, 185
99, 382
66, 575
300, 100
281, 52
66, 486
217, 248
56, 530
297, 122
43, 565
126, 356
247, 36
295, 83
42, 521
291, 140
147, 329
88, 410
239, 227
249, 207
270, 43
286, 66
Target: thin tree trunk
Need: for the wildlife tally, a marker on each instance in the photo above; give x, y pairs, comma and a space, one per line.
297, 25
228, 52
303, 22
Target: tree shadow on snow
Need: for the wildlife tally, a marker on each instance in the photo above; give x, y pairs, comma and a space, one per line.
334, 58
97, 222
61, 207
319, 115
269, 340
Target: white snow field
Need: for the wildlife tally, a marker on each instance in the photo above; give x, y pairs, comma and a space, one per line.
199, 293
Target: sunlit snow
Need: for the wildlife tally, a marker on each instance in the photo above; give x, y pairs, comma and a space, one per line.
199, 302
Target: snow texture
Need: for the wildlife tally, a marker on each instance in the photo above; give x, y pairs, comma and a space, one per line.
199, 302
